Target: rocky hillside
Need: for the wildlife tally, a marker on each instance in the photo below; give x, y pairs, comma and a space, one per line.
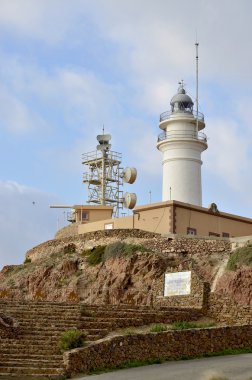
74, 269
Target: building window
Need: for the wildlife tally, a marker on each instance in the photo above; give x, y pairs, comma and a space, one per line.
191, 231
225, 234
214, 234
84, 215
108, 226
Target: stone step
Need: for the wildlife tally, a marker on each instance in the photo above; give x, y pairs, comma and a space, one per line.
13, 363
22, 356
31, 371
28, 351
43, 310
38, 376
95, 324
30, 347
41, 314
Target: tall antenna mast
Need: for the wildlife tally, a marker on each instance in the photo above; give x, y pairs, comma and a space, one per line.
197, 84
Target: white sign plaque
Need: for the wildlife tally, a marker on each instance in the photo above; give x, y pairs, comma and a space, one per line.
177, 284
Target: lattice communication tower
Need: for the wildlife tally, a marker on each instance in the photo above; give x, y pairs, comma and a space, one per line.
105, 176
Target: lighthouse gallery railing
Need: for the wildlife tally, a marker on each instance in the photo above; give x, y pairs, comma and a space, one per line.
182, 135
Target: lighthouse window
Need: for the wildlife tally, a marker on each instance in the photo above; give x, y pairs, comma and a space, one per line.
191, 231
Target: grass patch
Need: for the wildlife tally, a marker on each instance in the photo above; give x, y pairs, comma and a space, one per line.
230, 351
27, 260
241, 256
121, 249
72, 339
183, 325
159, 328
127, 364
69, 248
102, 253
95, 255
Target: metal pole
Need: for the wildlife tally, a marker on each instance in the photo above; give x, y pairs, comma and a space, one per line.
103, 180
197, 86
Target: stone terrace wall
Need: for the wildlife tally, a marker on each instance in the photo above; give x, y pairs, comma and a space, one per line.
166, 345
85, 241
225, 310
177, 244
154, 241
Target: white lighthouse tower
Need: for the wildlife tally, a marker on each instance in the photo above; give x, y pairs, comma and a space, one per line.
182, 144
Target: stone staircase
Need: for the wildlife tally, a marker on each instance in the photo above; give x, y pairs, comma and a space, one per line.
34, 350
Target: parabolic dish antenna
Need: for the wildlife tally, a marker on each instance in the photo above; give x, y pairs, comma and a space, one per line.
129, 175
130, 200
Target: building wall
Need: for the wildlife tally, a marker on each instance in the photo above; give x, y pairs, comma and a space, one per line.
154, 219
172, 217
206, 223
116, 223
94, 214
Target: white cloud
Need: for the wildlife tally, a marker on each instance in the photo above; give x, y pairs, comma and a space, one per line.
25, 220
228, 154
16, 117
46, 20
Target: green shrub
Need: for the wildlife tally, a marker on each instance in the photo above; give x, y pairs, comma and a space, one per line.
118, 249
182, 325
69, 248
27, 260
72, 339
159, 328
241, 256
95, 255
121, 249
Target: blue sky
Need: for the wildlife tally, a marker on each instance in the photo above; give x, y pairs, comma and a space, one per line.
68, 67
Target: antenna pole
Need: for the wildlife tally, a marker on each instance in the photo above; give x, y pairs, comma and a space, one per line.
197, 86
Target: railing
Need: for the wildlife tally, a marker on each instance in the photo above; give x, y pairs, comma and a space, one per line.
167, 114
200, 136
95, 155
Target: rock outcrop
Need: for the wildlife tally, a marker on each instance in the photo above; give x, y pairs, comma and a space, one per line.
58, 270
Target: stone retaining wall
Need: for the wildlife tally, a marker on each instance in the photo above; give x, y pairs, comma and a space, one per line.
85, 241
225, 310
156, 242
166, 345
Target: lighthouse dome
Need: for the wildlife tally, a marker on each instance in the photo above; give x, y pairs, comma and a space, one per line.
181, 102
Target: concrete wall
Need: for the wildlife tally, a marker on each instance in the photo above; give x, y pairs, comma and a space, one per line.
166, 345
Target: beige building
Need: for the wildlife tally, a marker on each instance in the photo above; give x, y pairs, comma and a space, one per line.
82, 214
173, 217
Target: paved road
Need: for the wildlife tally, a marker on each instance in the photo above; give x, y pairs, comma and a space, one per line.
234, 367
